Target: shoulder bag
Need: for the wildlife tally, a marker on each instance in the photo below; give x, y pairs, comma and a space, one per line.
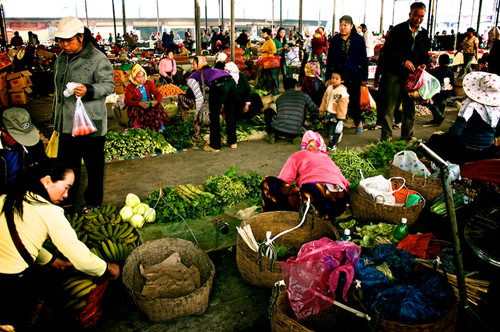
204, 115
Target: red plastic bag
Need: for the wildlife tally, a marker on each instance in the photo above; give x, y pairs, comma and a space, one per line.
414, 81
82, 124
365, 100
91, 313
311, 278
271, 62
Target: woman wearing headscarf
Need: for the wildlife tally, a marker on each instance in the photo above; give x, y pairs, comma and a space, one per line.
347, 53
144, 101
242, 104
312, 83
221, 92
267, 79
317, 178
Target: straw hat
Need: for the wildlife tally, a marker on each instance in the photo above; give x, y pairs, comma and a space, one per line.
483, 88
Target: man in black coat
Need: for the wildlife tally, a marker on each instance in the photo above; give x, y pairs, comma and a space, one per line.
405, 50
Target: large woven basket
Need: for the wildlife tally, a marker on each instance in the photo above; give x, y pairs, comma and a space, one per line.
121, 115
429, 188
365, 209
154, 252
332, 318
276, 222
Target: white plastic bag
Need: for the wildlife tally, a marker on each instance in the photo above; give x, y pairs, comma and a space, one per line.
378, 189
339, 127
82, 124
409, 161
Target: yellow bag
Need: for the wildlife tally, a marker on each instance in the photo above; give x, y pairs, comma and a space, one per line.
52, 147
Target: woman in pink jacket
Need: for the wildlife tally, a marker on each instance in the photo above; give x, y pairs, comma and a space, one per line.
168, 68
307, 173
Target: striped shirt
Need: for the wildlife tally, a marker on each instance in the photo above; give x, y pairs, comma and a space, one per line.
292, 107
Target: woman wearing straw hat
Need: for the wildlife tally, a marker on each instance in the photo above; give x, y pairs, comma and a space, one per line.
80, 62
471, 137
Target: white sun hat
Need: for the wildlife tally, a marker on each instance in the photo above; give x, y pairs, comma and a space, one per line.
483, 88
68, 27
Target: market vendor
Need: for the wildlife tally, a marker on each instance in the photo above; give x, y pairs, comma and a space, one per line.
242, 105
29, 216
144, 101
307, 173
222, 91
168, 68
470, 138
267, 79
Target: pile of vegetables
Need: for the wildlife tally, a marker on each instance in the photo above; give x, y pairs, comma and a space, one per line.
260, 92
180, 136
170, 90
382, 154
137, 213
369, 233
243, 130
135, 142
351, 163
192, 202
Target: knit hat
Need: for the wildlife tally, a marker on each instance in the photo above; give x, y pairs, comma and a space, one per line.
483, 88
17, 121
68, 27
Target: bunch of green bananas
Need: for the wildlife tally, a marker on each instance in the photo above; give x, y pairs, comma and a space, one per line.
104, 232
77, 290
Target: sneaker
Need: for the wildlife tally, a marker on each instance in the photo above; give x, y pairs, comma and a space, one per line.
270, 138
297, 140
332, 147
208, 148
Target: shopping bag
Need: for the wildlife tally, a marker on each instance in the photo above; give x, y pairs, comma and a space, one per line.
414, 81
430, 86
82, 124
53, 146
271, 62
409, 161
291, 55
378, 189
365, 100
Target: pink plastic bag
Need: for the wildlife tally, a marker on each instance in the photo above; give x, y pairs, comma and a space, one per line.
311, 278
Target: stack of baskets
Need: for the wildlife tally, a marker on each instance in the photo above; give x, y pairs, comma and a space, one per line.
276, 222
154, 252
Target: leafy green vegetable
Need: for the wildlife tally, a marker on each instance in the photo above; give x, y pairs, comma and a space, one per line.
369, 233
382, 154
347, 224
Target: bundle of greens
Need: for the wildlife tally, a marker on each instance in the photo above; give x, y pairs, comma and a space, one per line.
382, 154
135, 142
180, 135
369, 233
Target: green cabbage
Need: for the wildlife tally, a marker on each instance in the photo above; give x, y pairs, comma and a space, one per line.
132, 200
126, 213
141, 208
150, 215
137, 221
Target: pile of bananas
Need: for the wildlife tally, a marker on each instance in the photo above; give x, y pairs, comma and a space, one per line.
77, 290
104, 232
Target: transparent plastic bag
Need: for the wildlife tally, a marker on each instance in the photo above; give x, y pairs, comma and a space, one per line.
430, 87
82, 124
366, 102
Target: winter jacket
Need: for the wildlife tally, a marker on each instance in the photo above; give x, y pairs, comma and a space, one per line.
92, 68
398, 49
133, 95
354, 63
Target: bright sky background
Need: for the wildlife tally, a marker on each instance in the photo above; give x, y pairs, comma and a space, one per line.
312, 9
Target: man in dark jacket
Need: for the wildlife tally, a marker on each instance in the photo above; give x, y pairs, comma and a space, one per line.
20, 145
405, 50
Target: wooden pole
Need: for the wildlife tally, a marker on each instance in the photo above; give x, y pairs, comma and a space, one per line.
281, 13
458, 24
157, 17
114, 17
86, 13
300, 16
333, 19
197, 26
382, 17
479, 16
206, 16
232, 32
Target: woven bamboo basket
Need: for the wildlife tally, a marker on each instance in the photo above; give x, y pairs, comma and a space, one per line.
330, 319
154, 252
365, 209
266, 101
429, 188
121, 115
276, 222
